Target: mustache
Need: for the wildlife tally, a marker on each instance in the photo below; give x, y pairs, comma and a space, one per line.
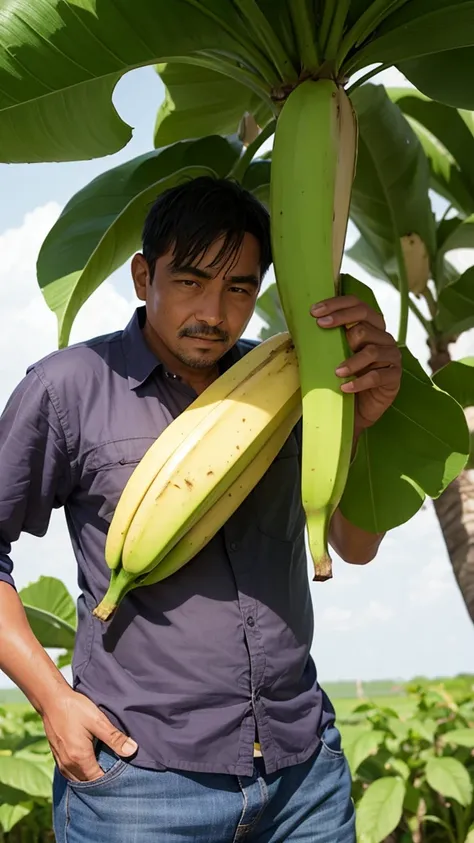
207, 331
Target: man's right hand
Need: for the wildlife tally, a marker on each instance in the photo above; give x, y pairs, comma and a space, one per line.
71, 722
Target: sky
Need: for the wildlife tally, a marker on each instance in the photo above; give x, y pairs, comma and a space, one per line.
397, 617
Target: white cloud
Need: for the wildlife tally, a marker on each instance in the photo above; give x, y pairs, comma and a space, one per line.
430, 584
335, 618
28, 333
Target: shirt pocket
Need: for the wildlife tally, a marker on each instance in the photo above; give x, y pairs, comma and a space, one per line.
108, 468
277, 498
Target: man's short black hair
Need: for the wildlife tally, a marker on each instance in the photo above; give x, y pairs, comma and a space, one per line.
192, 216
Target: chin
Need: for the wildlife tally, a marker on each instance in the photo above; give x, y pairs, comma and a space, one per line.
200, 361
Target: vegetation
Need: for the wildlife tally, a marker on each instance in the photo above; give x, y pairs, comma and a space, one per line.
409, 746
410, 753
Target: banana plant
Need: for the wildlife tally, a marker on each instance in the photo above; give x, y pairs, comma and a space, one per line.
295, 62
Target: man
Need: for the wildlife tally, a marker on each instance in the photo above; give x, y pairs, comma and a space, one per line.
195, 714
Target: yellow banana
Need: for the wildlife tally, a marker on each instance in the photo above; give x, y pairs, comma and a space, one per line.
208, 462
203, 467
173, 435
206, 528
313, 163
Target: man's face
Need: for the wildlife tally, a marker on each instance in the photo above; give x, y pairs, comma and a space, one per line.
198, 312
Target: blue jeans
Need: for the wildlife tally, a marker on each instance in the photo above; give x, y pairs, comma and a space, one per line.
306, 803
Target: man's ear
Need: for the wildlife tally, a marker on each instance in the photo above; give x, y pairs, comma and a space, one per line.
140, 275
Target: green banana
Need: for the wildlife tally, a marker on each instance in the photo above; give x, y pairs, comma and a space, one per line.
313, 164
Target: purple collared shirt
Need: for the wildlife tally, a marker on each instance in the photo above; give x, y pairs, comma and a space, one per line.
190, 667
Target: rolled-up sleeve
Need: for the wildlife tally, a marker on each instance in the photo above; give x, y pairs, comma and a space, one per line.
35, 475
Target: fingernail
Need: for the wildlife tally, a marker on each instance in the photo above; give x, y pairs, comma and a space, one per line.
342, 371
318, 308
326, 320
348, 387
129, 747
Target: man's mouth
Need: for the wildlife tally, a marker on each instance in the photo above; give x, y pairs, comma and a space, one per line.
204, 339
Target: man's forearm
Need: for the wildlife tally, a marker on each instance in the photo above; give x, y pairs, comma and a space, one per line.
350, 542
22, 657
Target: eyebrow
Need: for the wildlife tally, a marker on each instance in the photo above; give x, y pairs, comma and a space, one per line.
201, 273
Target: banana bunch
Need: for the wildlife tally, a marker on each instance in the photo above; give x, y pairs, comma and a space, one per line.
201, 468
313, 165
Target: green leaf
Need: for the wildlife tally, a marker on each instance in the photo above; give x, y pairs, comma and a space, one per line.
51, 594
444, 76
452, 128
457, 378
51, 612
257, 179
200, 102
397, 765
417, 448
411, 802
61, 59
461, 236
101, 225
425, 729
460, 737
269, 308
420, 28
10, 815
448, 140
362, 747
390, 197
449, 778
456, 306
364, 254
380, 810
64, 659
25, 776
470, 835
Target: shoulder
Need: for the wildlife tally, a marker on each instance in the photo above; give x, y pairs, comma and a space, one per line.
78, 365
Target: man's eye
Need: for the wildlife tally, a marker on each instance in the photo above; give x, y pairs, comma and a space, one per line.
239, 290
188, 282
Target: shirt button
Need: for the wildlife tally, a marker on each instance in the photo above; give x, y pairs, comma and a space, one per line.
250, 621
234, 546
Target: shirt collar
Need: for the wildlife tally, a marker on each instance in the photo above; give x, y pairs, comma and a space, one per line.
141, 361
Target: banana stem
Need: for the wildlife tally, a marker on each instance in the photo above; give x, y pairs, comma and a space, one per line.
328, 14
268, 39
337, 29
305, 36
251, 51
365, 25
427, 325
120, 584
239, 169
231, 69
365, 78
404, 290
430, 301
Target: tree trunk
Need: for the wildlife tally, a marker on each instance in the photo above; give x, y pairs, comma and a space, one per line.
455, 511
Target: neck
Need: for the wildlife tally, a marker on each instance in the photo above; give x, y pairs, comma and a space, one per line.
197, 379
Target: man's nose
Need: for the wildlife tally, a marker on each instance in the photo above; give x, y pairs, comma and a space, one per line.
210, 310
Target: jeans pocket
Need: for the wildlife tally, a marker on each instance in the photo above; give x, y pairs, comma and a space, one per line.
331, 743
112, 766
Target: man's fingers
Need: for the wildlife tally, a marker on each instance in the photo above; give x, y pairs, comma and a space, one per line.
349, 316
388, 377
79, 766
345, 310
370, 357
363, 333
114, 738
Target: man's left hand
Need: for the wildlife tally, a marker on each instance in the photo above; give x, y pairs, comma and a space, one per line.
376, 362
